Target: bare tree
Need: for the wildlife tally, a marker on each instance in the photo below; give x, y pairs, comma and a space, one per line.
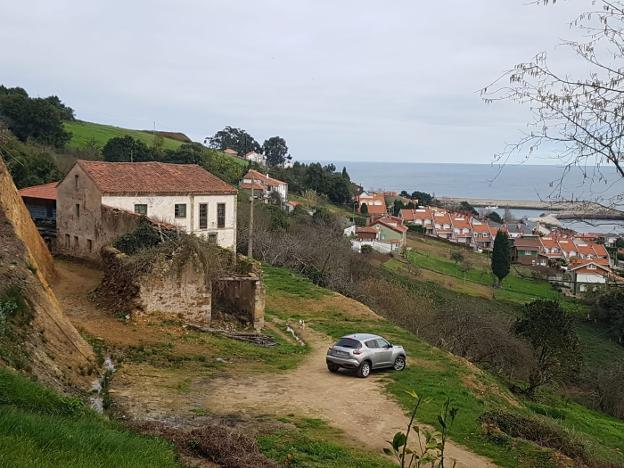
581, 118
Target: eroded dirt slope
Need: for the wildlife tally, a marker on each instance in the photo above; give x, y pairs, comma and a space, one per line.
46, 344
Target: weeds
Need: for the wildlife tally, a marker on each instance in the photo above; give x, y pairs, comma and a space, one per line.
431, 444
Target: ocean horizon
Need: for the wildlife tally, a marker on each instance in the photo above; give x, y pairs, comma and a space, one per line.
507, 182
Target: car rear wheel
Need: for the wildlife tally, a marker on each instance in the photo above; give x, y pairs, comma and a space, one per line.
333, 367
364, 370
399, 363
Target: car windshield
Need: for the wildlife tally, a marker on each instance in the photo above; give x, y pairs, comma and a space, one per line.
349, 343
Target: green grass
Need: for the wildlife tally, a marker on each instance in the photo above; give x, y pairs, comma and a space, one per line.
41, 428
281, 280
86, 133
437, 375
515, 288
313, 443
83, 133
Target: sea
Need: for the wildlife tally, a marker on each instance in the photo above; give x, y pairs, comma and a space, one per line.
502, 182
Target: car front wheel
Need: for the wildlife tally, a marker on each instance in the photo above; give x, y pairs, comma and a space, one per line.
399, 363
364, 370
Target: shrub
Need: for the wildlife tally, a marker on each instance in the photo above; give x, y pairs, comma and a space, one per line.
367, 249
538, 430
608, 309
143, 237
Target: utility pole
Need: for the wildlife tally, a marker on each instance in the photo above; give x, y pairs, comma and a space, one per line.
251, 220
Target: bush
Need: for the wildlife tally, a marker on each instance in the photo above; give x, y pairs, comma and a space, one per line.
416, 228
608, 310
143, 237
367, 249
538, 430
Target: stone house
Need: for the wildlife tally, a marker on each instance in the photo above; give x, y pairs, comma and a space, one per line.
183, 196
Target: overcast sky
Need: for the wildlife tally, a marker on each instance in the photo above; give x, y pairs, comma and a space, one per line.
340, 80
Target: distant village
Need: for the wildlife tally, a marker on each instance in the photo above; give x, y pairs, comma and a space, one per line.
576, 261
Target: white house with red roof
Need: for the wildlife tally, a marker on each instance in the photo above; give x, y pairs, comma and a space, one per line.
421, 216
264, 184
442, 224
588, 274
462, 228
375, 203
182, 196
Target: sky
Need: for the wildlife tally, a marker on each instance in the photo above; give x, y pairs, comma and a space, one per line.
339, 80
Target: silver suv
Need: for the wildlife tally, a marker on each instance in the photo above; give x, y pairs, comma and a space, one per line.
363, 352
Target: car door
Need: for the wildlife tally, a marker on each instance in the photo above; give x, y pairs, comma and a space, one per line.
373, 352
384, 353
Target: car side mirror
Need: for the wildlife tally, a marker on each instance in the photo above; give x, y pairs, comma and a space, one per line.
388, 346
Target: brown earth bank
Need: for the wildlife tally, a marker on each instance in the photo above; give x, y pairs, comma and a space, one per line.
239, 393
38, 339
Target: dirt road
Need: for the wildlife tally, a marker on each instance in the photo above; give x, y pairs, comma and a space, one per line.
359, 407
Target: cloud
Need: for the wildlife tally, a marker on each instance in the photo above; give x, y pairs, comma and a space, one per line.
348, 80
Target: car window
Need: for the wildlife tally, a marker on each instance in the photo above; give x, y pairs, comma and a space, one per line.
372, 344
382, 343
349, 343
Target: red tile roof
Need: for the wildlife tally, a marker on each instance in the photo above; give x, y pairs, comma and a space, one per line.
414, 214
44, 191
153, 178
528, 243
367, 229
247, 186
263, 178
391, 224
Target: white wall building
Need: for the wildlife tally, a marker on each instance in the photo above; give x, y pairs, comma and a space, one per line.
257, 158
265, 184
181, 195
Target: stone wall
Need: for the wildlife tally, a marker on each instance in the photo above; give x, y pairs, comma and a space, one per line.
183, 292
242, 297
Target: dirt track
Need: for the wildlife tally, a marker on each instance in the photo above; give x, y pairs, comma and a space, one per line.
359, 407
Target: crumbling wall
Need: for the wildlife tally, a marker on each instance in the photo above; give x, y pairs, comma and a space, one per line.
243, 297
159, 287
45, 344
185, 294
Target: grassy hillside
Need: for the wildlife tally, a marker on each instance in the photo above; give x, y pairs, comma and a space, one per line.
39, 427
436, 375
83, 133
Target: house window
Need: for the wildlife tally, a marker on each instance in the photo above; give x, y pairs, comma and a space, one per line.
140, 209
67, 244
76, 242
212, 237
203, 216
90, 245
77, 210
220, 215
591, 267
76, 181
180, 210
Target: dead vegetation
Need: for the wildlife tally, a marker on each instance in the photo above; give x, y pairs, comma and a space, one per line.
214, 443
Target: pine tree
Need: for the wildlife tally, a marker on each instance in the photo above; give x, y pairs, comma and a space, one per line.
501, 256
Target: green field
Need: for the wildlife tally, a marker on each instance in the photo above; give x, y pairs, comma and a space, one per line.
39, 427
436, 375
86, 133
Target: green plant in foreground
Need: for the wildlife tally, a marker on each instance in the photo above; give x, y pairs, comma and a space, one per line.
431, 444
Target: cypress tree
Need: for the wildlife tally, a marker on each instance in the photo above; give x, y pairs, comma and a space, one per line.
501, 256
